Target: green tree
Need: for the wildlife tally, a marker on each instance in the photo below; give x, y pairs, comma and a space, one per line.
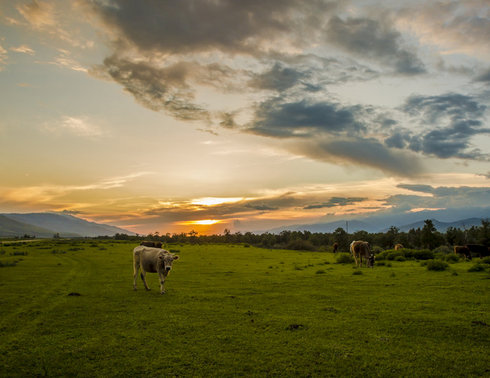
341, 238
484, 232
428, 238
455, 236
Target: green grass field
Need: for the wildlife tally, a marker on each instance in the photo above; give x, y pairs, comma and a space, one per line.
231, 310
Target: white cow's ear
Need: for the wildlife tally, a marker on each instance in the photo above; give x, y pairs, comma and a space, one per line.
176, 257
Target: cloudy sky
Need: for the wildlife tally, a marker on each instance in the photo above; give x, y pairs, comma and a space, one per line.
170, 116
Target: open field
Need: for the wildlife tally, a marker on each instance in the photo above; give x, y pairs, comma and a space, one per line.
235, 310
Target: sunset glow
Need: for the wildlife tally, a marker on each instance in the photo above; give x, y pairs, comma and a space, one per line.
204, 222
211, 201
118, 112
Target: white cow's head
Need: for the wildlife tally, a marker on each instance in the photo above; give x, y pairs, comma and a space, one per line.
166, 259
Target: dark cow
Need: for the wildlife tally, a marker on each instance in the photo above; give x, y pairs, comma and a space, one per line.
151, 244
460, 250
478, 250
335, 247
360, 249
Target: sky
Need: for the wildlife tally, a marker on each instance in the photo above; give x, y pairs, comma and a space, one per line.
171, 116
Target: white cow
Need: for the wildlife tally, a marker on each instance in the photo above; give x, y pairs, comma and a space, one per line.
152, 260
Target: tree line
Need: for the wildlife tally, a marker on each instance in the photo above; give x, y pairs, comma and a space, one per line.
426, 237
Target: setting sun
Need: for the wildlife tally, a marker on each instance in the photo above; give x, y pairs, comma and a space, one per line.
212, 201
204, 222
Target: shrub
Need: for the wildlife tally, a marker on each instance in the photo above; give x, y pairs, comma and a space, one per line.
437, 265
422, 254
444, 249
19, 254
452, 258
477, 268
320, 271
344, 258
400, 258
300, 245
357, 272
486, 260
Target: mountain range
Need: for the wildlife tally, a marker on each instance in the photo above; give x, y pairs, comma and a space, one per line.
442, 220
45, 225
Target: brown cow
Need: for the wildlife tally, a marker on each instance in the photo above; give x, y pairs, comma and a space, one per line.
460, 250
398, 246
151, 244
335, 247
477, 249
360, 249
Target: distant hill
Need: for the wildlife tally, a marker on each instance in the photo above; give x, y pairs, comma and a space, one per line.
351, 225
442, 219
47, 224
11, 228
443, 226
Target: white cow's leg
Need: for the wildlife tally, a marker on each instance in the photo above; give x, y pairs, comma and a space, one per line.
162, 282
136, 267
143, 277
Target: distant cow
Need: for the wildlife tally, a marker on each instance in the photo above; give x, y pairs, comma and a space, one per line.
359, 250
398, 246
335, 247
152, 260
460, 250
478, 250
151, 244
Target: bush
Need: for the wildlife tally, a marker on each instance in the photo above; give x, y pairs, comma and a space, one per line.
443, 249
452, 258
477, 268
422, 254
437, 265
300, 245
321, 271
19, 254
400, 258
344, 258
357, 272
486, 260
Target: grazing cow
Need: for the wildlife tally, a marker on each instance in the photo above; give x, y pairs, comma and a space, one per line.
479, 250
371, 260
398, 246
335, 247
151, 244
460, 250
152, 260
360, 249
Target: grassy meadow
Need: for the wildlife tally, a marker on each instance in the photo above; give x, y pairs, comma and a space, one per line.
236, 310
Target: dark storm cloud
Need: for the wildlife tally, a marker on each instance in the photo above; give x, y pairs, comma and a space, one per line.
441, 197
398, 139
278, 117
335, 201
417, 188
362, 152
191, 26
484, 76
375, 40
279, 78
456, 119
156, 88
